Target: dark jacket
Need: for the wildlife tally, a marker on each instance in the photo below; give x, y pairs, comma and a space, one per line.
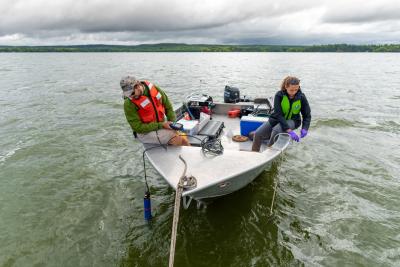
278, 116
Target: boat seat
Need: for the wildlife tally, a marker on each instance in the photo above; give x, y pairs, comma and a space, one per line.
260, 100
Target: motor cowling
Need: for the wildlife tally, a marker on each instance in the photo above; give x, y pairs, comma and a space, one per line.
231, 94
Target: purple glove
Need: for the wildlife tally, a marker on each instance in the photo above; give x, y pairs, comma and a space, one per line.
303, 133
294, 136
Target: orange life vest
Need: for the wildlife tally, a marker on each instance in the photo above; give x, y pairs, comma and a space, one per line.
151, 109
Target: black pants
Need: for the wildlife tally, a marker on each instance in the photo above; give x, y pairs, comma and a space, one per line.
266, 131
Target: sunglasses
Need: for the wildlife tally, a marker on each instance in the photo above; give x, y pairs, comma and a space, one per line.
294, 81
137, 85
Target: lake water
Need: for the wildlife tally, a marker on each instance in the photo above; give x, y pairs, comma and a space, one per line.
71, 174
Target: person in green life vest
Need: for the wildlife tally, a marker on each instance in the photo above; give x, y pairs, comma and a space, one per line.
149, 113
289, 103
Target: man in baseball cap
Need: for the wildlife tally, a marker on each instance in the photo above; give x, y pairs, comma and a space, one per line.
149, 112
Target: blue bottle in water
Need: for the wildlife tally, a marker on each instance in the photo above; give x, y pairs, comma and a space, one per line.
147, 206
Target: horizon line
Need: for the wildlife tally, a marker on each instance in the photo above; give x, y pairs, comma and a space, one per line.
150, 44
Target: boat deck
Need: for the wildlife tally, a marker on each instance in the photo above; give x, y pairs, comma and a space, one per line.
232, 127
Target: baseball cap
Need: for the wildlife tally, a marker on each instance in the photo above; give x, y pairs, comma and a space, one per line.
127, 83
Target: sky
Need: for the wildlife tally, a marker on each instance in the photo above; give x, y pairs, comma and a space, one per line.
132, 22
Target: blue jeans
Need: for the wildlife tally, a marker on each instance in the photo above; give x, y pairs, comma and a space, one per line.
265, 131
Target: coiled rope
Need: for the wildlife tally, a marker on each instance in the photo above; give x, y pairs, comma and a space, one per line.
212, 146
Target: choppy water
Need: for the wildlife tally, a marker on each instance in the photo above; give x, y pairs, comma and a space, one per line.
71, 178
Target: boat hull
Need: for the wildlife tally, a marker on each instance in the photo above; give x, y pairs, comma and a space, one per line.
229, 185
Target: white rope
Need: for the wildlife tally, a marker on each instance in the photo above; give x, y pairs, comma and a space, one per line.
177, 205
277, 182
184, 183
273, 198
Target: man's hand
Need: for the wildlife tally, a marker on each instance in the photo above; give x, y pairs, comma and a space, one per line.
166, 125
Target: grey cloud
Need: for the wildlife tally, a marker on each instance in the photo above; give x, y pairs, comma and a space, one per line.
134, 15
362, 12
208, 21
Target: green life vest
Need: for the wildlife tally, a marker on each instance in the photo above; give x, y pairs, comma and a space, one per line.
289, 110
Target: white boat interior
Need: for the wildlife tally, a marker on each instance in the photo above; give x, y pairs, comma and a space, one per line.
215, 175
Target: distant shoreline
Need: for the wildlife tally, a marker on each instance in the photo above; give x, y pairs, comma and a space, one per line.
205, 48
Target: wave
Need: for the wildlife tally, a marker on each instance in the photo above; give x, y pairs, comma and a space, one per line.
3, 158
382, 126
334, 123
387, 126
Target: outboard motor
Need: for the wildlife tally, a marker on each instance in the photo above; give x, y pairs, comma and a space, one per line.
231, 94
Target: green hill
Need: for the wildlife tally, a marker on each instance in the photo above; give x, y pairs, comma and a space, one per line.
172, 47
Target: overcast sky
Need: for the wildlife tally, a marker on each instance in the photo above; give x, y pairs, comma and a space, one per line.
131, 22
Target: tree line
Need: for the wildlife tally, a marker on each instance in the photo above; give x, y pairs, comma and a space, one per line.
205, 48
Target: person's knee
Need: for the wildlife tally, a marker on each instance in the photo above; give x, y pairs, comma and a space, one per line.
179, 141
184, 141
277, 129
251, 135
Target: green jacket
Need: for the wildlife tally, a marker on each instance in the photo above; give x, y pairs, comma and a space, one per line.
132, 115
